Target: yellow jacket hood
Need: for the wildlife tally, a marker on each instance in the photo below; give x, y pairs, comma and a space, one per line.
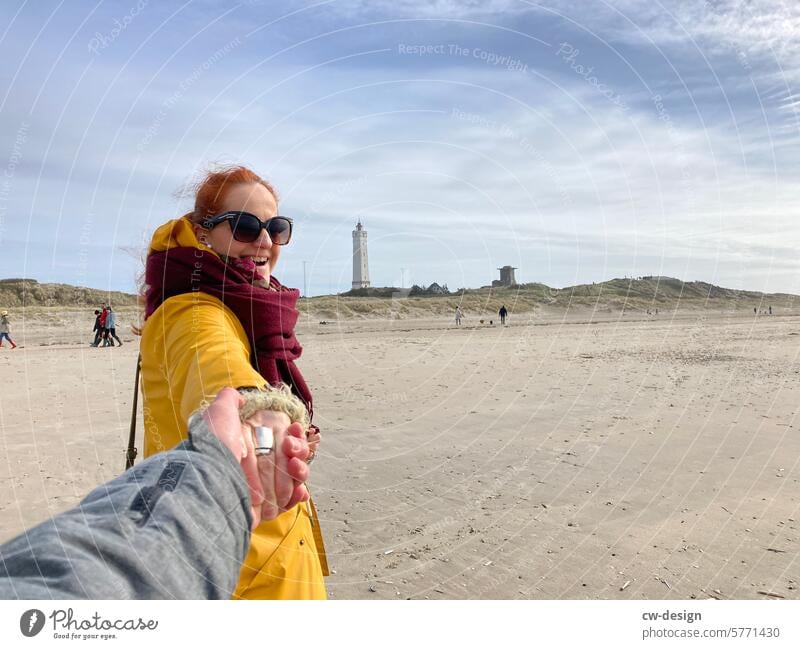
177, 233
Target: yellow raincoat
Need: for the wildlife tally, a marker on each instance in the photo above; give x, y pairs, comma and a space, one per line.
193, 346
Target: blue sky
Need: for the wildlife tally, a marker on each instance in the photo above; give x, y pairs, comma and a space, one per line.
576, 141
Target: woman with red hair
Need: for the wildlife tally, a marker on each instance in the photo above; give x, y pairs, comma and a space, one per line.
216, 316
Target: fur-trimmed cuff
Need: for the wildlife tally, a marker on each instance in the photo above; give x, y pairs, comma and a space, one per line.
273, 398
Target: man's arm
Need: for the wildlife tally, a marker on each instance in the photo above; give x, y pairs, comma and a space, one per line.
176, 526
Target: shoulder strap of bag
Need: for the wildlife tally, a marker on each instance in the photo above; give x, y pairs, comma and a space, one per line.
132, 452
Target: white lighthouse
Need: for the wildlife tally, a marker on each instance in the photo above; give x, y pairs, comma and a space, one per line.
360, 261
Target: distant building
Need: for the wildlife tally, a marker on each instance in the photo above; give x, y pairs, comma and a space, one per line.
433, 289
506, 277
360, 260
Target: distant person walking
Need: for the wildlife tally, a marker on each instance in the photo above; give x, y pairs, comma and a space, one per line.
459, 315
5, 329
102, 330
97, 329
503, 312
111, 328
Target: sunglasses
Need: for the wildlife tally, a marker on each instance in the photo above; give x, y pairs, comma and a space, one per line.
247, 227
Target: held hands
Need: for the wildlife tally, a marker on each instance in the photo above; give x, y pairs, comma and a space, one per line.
276, 481
285, 467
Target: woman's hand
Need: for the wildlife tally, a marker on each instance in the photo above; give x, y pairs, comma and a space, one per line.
313, 438
276, 481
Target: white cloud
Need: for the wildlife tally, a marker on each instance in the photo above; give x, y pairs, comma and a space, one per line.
751, 31
752, 27
432, 8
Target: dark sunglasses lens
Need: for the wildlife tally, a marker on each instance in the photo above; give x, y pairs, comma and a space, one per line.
245, 228
280, 230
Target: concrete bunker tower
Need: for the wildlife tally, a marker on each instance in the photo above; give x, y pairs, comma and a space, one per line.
506, 276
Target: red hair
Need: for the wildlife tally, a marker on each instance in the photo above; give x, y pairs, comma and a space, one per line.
211, 190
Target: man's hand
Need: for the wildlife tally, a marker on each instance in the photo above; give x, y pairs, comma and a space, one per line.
276, 481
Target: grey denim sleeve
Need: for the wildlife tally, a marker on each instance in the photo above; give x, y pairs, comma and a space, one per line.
175, 527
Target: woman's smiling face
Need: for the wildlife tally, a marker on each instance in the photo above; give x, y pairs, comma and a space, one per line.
258, 200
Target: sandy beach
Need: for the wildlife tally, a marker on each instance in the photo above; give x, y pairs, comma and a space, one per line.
634, 458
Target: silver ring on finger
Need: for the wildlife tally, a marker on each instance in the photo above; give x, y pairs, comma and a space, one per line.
265, 440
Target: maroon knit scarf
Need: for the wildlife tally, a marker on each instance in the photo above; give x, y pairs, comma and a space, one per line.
268, 316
